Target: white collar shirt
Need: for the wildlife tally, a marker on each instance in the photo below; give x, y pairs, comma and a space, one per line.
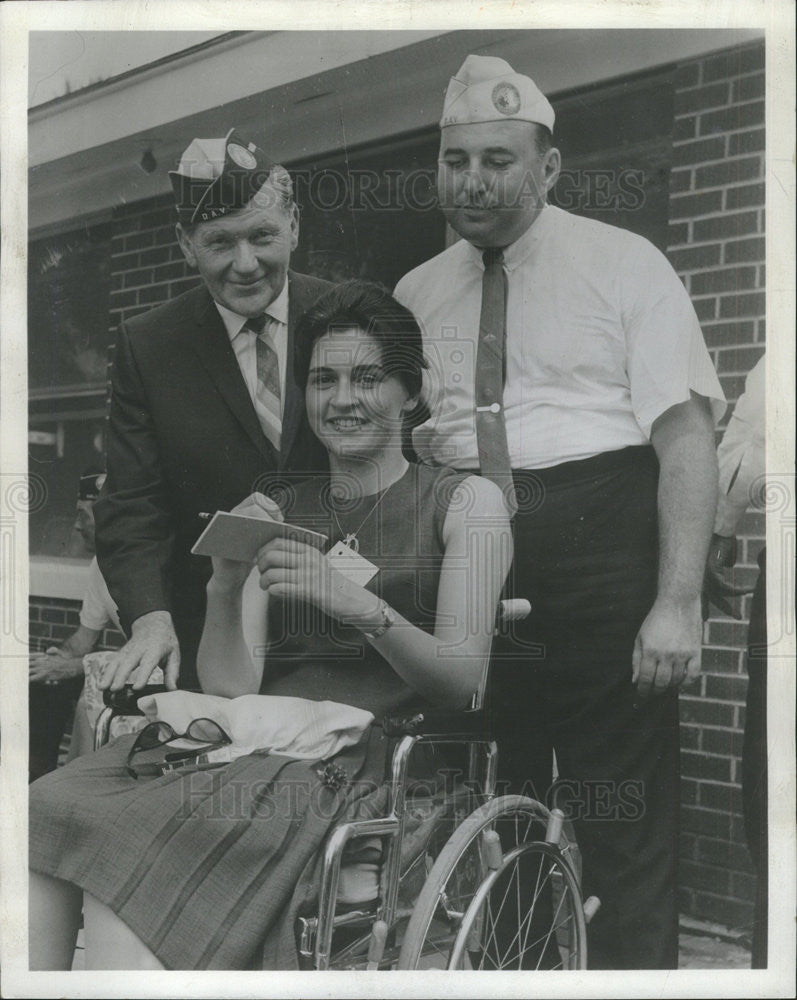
742, 455
243, 342
602, 338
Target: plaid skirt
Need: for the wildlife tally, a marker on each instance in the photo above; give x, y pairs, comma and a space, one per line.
207, 868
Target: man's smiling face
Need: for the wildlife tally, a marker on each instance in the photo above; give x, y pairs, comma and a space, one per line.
243, 257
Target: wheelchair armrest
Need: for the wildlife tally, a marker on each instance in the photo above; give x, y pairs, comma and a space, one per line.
125, 700
470, 725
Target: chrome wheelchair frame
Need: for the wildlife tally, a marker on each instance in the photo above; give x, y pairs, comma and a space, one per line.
452, 920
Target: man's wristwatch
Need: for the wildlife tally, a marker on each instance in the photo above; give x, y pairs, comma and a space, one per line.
388, 619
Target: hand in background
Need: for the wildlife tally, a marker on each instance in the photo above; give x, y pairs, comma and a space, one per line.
53, 666
717, 590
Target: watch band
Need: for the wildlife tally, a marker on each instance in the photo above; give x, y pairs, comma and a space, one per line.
388, 618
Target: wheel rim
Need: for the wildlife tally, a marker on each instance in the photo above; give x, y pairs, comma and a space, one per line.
448, 913
481, 920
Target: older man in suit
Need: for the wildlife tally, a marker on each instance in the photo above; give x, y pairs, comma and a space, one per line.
204, 408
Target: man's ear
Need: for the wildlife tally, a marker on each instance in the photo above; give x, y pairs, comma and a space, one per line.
410, 405
552, 167
186, 244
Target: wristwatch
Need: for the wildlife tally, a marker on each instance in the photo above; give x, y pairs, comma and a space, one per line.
388, 619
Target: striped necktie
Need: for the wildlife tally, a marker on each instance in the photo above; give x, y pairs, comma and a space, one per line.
490, 377
267, 399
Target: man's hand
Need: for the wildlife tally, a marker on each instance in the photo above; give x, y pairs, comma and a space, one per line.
153, 643
54, 666
667, 648
716, 589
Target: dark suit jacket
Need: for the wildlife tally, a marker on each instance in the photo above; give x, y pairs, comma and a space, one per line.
184, 437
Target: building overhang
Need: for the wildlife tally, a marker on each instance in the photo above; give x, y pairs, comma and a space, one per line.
300, 100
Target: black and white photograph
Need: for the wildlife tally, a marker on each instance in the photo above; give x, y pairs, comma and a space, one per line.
398, 499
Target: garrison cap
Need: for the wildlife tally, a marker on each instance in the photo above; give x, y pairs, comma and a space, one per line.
218, 176
487, 89
90, 485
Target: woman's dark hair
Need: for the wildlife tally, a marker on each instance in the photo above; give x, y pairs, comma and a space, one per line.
373, 309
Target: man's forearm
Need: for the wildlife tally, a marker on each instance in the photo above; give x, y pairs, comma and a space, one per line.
687, 498
82, 641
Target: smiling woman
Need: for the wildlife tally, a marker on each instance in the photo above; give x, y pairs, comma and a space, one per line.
409, 629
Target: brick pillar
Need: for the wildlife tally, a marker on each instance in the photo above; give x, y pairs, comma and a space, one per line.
717, 246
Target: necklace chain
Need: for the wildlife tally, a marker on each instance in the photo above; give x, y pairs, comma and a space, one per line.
350, 537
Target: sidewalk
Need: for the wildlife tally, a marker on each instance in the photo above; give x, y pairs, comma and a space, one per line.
706, 951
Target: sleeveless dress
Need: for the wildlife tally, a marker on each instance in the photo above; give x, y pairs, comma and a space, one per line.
209, 868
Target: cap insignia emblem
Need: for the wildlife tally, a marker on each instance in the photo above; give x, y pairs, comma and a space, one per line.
240, 155
506, 98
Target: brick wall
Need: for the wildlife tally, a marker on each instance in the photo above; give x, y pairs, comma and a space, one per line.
51, 620
717, 229
147, 265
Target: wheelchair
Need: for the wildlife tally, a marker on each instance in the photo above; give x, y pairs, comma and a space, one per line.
462, 878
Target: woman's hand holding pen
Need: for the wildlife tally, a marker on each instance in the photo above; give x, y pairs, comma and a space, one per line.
228, 574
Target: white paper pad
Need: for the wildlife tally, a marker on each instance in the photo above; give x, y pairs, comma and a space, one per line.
235, 536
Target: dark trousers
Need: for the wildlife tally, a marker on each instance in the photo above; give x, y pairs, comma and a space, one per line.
586, 556
50, 707
754, 763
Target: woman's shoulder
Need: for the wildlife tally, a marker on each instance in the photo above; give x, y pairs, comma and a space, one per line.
460, 494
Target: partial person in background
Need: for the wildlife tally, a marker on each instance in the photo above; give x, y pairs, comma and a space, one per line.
204, 406
742, 467
56, 675
568, 366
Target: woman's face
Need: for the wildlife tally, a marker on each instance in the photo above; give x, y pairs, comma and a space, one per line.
354, 407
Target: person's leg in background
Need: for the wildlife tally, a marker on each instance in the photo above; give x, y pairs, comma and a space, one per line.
589, 552
619, 780
50, 707
754, 764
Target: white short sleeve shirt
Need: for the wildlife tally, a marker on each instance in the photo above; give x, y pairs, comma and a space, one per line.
602, 338
98, 610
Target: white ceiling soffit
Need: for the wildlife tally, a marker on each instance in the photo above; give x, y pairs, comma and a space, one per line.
203, 77
87, 162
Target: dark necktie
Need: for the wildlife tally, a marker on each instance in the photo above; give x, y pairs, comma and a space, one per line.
267, 400
490, 376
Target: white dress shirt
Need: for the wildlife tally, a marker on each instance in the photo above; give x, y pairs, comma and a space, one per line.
742, 455
602, 338
243, 343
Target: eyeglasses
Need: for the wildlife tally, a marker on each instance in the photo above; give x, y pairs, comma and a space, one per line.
156, 734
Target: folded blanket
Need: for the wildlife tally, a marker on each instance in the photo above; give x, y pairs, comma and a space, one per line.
293, 727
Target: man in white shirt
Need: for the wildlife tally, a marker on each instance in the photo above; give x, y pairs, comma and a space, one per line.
568, 365
56, 675
742, 469
204, 406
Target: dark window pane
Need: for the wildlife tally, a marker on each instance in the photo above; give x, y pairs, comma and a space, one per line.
68, 297
371, 214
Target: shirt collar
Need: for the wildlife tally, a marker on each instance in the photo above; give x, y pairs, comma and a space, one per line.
277, 310
517, 252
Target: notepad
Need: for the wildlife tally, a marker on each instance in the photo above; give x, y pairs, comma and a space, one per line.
238, 537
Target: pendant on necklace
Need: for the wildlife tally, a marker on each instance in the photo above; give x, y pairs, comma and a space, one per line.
352, 542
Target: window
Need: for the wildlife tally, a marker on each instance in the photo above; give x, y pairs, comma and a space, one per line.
68, 336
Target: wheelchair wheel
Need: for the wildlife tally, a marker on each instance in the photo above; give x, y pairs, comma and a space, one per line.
502, 895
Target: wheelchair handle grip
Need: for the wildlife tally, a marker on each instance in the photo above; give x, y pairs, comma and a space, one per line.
125, 700
513, 610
